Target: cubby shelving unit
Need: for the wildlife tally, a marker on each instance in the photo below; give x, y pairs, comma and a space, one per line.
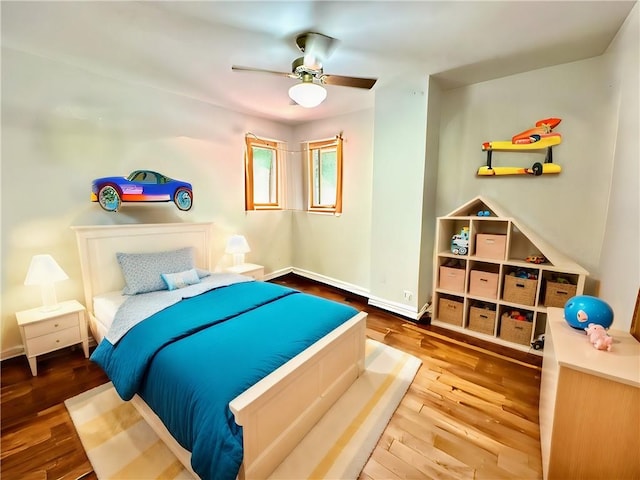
474, 292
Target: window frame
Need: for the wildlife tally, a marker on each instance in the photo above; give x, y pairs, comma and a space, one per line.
249, 190
312, 205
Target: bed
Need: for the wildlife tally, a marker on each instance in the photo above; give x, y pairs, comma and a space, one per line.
278, 410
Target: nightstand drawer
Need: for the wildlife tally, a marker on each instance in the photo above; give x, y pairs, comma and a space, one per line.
43, 331
257, 274
49, 326
54, 341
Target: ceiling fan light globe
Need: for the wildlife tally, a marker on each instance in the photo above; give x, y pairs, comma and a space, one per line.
308, 95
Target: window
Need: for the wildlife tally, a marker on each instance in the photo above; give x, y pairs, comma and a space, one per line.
262, 174
325, 176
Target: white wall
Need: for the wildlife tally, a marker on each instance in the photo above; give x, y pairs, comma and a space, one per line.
399, 146
620, 259
63, 126
567, 210
338, 248
428, 233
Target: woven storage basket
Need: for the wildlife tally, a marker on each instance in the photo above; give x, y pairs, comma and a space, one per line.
557, 294
517, 331
483, 284
452, 279
491, 246
519, 290
482, 320
450, 311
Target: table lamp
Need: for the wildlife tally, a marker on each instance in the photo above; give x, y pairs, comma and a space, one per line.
45, 271
237, 246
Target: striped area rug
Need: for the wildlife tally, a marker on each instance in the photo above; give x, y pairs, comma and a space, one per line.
120, 444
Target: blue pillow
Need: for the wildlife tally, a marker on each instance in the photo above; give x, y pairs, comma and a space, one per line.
180, 279
142, 271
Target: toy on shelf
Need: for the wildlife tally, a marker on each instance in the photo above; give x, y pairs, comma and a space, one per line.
522, 273
518, 315
585, 309
598, 337
460, 242
483, 213
537, 259
538, 138
538, 343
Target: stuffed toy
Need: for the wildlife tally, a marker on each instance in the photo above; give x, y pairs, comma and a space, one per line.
598, 337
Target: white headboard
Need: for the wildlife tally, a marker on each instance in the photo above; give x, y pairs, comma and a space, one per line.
98, 246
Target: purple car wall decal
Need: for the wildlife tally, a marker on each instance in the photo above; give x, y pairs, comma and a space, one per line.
141, 186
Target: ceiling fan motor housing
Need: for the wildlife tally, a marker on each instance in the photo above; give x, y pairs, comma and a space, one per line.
320, 44
299, 67
316, 48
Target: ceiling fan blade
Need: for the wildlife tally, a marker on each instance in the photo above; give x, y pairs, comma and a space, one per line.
260, 70
349, 81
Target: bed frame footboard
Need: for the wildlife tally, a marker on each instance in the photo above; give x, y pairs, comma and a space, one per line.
277, 412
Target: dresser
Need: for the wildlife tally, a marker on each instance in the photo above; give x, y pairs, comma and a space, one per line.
589, 404
45, 331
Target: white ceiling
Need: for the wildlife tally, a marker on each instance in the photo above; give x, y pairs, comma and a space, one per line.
188, 47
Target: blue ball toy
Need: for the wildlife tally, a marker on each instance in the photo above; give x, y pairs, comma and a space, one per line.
582, 310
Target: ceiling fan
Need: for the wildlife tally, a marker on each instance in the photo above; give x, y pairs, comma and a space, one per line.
308, 69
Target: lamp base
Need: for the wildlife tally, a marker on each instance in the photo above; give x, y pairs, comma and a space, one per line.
238, 259
49, 299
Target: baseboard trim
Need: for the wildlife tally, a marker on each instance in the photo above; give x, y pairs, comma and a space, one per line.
348, 287
399, 308
388, 305
12, 352
278, 273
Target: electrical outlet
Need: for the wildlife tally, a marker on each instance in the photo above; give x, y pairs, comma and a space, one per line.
408, 295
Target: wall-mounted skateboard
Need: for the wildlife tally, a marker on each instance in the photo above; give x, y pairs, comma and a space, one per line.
539, 138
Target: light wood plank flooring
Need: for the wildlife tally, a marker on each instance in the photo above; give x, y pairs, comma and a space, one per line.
471, 412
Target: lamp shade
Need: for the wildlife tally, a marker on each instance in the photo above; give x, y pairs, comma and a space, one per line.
308, 94
237, 244
44, 270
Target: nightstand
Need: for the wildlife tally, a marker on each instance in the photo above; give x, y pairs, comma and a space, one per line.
249, 269
45, 331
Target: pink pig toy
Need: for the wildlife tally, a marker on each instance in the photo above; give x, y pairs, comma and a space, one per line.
598, 337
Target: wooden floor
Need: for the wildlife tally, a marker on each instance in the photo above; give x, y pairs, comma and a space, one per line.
471, 412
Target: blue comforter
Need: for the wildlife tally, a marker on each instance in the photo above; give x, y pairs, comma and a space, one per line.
190, 360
